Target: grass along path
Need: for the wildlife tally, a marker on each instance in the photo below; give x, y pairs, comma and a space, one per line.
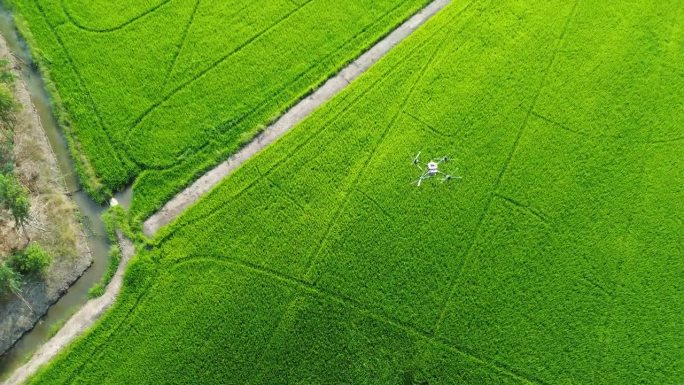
91, 312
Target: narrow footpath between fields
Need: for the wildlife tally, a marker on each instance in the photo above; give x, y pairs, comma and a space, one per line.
91, 311
173, 208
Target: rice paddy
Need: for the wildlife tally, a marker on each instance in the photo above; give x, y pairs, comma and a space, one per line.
160, 91
557, 258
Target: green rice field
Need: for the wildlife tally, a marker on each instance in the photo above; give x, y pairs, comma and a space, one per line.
557, 259
158, 91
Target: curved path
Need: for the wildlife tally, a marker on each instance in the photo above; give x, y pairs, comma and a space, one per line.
91, 311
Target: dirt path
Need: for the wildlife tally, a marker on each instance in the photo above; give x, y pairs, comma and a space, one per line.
178, 204
78, 323
89, 313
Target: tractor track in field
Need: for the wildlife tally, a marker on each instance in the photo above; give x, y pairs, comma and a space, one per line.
184, 38
613, 137
123, 25
506, 164
304, 288
354, 100
428, 127
253, 111
524, 208
92, 310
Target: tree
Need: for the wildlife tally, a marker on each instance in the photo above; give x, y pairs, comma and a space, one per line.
8, 116
20, 207
14, 198
33, 260
6, 155
8, 107
10, 280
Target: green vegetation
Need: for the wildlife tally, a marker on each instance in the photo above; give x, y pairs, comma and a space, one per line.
164, 90
8, 110
115, 218
556, 260
8, 106
10, 280
33, 260
13, 195
14, 199
114, 258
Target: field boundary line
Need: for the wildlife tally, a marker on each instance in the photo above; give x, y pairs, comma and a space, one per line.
312, 289
178, 204
184, 37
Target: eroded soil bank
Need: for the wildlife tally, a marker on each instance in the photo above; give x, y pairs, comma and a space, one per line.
53, 222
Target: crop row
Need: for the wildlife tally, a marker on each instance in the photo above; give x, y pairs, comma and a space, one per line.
555, 260
163, 90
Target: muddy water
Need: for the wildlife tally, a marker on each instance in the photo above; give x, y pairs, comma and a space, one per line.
90, 211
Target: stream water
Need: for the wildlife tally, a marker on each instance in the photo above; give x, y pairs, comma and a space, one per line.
90, 211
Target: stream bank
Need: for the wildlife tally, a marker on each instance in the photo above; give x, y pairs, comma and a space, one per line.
66, 291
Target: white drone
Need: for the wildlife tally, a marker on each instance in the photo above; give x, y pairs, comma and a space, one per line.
431, 169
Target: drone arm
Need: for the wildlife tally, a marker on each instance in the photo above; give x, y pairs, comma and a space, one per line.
421, 179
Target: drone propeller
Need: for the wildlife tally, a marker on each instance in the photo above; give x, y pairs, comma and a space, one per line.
416, 160
449, 178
